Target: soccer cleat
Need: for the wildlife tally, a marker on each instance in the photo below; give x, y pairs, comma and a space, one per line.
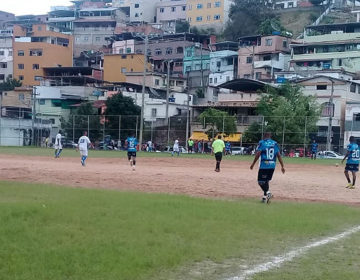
263, 200
133, 168
349, 186
268, 197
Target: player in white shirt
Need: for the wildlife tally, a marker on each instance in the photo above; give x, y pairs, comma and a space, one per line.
83, 145
176, 148
58, 144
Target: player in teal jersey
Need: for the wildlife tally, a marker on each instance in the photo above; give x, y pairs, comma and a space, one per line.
131, 143
352, 163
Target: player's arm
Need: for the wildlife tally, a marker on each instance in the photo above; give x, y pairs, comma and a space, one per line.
257, 156
281, 162
345, 157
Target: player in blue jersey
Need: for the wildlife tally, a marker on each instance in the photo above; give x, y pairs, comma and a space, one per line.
268, 151
352, 163
314, 148
131, 143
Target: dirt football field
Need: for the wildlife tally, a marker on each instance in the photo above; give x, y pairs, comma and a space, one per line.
188, 176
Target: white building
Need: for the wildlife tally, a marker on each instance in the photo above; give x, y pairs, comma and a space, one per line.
286, 4
6, 56
223, 67
138, 10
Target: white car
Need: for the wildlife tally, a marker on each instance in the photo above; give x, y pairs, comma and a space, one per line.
237, 151
329, 155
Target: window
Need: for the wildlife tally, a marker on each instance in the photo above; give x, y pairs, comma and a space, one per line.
162, 10
352, 87
153, 112
21, 53
39, 28
36, 67
268, 42
97, 39
321, 87
137, 5
285, 44
21, 97
41, 101
188, 68
216, 17
327, 109
218, 64
199, 6
208, 18
10, 53
157, 82
209, 5
123, 69
179, 50
190, 7
189, 19
21, 66
217, 4
215, 80
184, 8
210, 80
169, 51
35, 53
158, 52
199, 18
128, 50
173, 9
189, 53
136, 15
21, 77
2, 77
37, 78
249, 60
86, 38
2, 53
123, 56
3, 65
258, 75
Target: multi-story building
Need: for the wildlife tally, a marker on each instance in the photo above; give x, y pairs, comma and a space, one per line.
63, 18
223, 63
37, 46
196, 58
285, 4
117, 65
6, 56
261, 56
329, 46
138, 10
93, 28
170, 11
205, 13
5, 18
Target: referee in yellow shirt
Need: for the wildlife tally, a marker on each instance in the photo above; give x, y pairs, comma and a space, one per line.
218, 147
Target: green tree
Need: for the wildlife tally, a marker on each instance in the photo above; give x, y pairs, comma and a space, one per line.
182, 26
118, 105
285, 109
10, 84
269, 25
316, 2
217, 121
245, 17
85, 118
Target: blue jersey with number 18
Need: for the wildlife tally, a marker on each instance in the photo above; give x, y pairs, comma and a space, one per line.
269, 150
354, 154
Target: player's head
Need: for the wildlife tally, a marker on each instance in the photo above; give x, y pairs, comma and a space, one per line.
314, 141
85, 133
60, 132
219, 137
267, 135
352, 139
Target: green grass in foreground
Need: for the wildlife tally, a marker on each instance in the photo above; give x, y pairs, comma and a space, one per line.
33, 151
50, 232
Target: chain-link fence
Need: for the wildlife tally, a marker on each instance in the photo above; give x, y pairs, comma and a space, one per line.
294, 135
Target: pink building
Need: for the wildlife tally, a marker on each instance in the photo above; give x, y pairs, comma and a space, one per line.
261, 56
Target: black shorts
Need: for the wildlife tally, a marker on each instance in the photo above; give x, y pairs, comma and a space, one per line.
313, 153
131, 154
218, 156
190, 148
265, 175
352, 167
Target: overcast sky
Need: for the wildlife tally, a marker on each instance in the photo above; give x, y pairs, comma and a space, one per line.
26, 7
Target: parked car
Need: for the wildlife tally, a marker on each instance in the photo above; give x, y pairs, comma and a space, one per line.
169, 149
66, 143
237, 151
329, 155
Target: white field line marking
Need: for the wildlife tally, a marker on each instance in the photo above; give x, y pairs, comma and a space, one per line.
279, 260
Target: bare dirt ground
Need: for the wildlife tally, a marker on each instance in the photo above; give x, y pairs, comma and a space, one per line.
194, 177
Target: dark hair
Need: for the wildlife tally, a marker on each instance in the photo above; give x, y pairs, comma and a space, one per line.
219, 136
267, 134
352, 139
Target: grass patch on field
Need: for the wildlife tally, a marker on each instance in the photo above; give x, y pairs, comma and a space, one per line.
34, 151
50, 232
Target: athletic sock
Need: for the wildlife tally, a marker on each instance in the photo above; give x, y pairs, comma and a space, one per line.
217, 165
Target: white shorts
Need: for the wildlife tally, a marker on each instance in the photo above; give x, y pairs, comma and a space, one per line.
84, 153
58, 147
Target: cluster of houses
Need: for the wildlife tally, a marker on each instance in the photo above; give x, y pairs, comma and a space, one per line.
95, 49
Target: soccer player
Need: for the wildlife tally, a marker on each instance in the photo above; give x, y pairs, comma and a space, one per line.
218, 147
352, 163
131, 143
191, 145
83, 145
227, 148
58, 144
268, 150
176, 148
314, 147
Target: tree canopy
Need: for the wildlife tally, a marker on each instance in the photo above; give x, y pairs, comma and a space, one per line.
286, 110
217, 121
10, 84
182, 26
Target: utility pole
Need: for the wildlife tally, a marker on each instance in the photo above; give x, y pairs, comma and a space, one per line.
202, 70
143, 91
187, 110
167, 91
33, 116
253, 63
328, 140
